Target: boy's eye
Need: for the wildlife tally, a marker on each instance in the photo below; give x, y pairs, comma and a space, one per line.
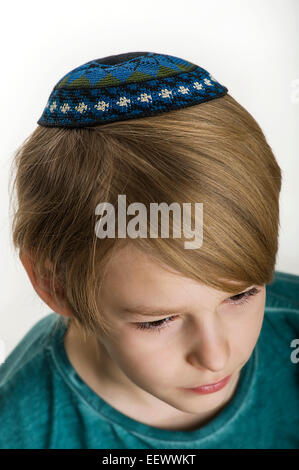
161, 324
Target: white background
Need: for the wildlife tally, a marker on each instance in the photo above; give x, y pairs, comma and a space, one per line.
251, 47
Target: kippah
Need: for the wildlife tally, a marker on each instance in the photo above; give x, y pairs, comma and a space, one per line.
127, 86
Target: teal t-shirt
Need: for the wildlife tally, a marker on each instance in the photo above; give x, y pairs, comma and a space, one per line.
44, 404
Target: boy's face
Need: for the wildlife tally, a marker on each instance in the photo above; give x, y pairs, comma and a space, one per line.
207, 340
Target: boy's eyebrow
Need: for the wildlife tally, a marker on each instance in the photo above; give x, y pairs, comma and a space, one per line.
144, 310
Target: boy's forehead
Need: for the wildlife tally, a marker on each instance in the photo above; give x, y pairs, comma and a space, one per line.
132, 270
133, 259
137, 286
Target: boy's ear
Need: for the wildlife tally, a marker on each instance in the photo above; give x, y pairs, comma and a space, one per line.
42, 287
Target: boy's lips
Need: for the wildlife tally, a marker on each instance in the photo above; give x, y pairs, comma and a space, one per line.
211, 388
212, 383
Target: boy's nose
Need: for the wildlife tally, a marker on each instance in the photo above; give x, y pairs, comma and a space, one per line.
209, 349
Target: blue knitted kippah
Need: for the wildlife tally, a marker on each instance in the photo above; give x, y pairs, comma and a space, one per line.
127, 86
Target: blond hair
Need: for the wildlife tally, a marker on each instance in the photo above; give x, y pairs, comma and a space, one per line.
214, 153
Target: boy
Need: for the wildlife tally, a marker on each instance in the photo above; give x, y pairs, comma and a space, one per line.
150, 344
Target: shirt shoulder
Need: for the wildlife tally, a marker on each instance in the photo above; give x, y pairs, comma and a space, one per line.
25, 385
282, 310
283, 291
